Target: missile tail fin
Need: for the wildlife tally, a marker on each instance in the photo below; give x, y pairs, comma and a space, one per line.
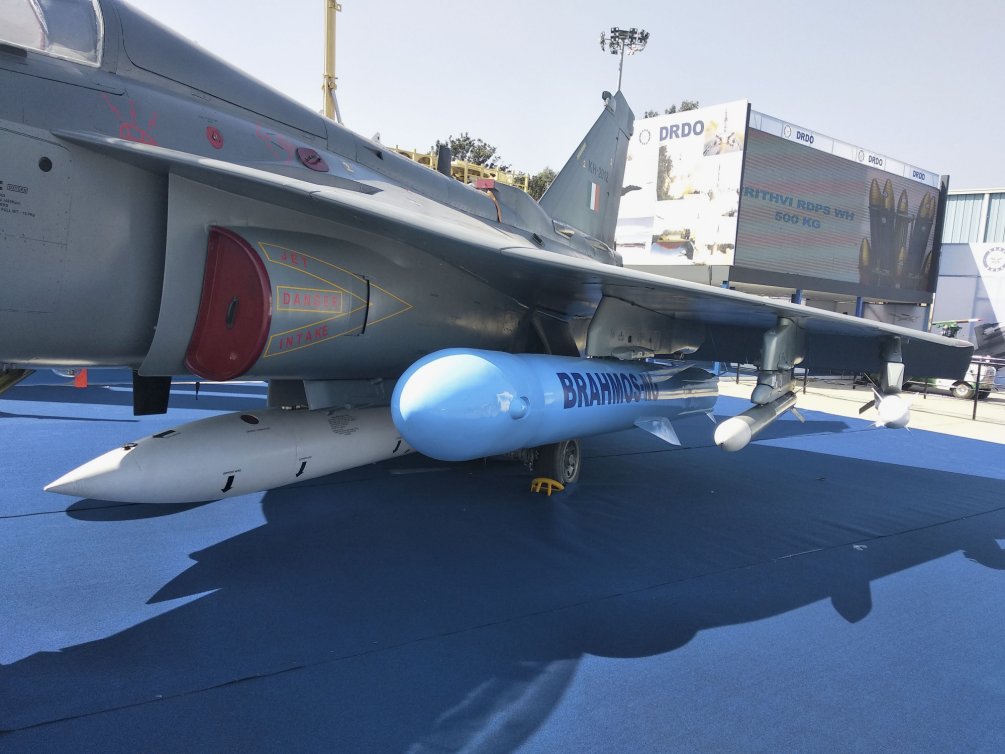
659, 426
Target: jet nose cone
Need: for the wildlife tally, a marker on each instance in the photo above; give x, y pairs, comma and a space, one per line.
102, 478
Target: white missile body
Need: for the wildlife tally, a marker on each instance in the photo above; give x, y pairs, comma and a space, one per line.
459, 404
894, 411
235, 454
736, 433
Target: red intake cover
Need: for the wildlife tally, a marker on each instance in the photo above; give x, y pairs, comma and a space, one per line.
235, 311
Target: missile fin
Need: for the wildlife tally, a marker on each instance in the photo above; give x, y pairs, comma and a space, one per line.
876, 398
659, 426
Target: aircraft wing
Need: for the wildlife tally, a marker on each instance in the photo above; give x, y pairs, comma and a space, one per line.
710, 323
734, 323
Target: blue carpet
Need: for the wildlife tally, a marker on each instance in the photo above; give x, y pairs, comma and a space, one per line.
831, 587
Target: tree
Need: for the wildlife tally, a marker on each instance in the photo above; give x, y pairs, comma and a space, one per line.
479, 152
540, 182
475, 151
684, 106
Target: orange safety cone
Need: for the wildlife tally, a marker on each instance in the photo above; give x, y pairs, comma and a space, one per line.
80, 378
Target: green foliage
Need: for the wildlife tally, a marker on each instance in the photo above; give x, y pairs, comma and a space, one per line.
475, 151
478, 152
684, 106
540, 182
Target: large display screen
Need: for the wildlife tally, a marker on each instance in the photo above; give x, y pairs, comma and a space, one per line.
681, 187
822, 215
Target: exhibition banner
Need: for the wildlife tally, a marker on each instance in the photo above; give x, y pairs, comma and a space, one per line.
972, 290
681, 187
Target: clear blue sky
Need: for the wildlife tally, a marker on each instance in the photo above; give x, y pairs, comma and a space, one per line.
917, 81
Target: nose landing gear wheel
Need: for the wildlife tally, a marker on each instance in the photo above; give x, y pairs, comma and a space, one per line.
560, 461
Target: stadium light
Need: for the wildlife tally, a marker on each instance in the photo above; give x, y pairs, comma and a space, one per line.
621, 41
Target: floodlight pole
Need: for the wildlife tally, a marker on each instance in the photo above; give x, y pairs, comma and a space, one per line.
331, 103
621, 40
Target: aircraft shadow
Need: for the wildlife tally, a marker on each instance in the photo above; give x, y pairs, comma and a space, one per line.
46, 417
393, 610
211, 398
105, 511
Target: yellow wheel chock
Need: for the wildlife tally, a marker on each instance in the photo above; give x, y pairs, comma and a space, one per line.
546, 485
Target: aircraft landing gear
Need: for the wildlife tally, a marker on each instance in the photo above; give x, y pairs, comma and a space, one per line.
561, 461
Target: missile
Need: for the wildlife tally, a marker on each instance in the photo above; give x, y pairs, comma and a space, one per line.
461, 404
866, 266
901, 262
877, 224
736, 433
889, 215
920, 232
894, 412
901, 226
235, 454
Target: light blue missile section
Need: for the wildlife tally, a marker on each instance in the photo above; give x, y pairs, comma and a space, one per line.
459, 404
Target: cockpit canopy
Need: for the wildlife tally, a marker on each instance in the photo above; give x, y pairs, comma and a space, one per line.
68, 29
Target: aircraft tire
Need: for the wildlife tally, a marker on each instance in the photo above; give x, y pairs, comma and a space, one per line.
561, 461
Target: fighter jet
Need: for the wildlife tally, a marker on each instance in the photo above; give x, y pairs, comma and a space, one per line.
163, 211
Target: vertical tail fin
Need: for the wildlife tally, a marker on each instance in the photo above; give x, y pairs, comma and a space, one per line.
586, 193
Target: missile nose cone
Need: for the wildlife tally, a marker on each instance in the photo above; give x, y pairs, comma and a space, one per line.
875, 195
894, 412
456, 406
902, 203
864, 253
99, 478
733, 434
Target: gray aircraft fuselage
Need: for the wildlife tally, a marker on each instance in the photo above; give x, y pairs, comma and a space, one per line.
104, 250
